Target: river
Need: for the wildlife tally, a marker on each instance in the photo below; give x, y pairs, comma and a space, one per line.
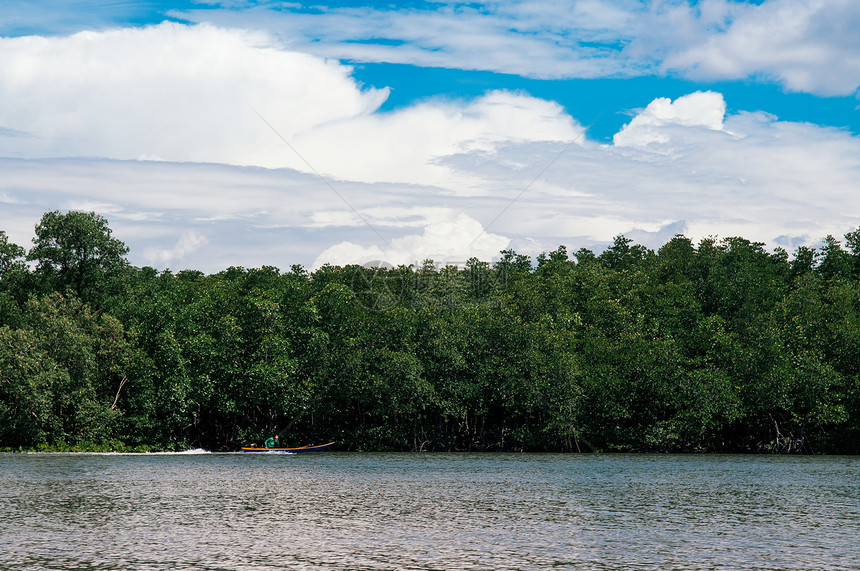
329, 510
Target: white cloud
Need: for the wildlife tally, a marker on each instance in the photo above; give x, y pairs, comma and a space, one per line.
405, 146
179, 93
700, 109
421, 182
809, 45
250, 216
193, 93
451, 241
547, 39
674, 167
757, 177
189, 243
5, 197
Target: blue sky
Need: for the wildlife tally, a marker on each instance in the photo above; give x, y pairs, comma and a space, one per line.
227, 133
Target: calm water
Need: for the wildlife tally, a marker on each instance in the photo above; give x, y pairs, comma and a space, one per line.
427, 511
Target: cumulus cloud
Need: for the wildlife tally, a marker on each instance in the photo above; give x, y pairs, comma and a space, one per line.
405, 146
778, 182
189, 243
205, 94
808, 45
171, 111
450, 241
180, 93
674, 167
700, 109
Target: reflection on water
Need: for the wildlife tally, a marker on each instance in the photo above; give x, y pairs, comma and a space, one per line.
427, 511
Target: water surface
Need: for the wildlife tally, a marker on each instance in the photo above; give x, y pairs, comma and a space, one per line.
427, 511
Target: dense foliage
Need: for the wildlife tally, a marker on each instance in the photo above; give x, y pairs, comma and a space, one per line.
722, 346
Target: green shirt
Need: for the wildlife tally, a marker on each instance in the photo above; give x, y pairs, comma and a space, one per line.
271, 442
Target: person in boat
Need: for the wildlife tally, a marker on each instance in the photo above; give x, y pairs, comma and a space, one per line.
273, 442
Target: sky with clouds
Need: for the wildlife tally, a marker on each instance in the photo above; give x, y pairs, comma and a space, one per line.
246, 133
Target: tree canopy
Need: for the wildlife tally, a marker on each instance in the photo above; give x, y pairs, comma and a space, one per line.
716, 346
75, 251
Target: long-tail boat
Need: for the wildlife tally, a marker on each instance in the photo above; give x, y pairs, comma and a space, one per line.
309, 448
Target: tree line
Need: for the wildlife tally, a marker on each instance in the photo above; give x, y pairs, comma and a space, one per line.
720, 346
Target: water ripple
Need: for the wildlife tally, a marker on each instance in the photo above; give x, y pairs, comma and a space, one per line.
427, 511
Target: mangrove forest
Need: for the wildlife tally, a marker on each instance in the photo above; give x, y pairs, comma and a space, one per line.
720, 346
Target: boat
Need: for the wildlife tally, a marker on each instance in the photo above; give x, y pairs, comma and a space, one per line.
309, 448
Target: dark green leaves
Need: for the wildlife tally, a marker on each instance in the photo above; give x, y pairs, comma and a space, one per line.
720, 346
76, 251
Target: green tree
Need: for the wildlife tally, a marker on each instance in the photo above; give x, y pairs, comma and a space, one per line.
11, 255
803, 263
836, 263
13, 281
75, 250
27, 377
852, 240
92, 353
621, 255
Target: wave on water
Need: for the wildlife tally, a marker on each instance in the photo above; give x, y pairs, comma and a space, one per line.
179, 453
182, 452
